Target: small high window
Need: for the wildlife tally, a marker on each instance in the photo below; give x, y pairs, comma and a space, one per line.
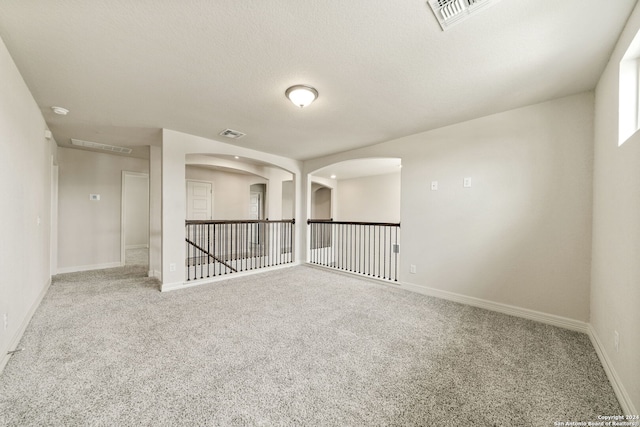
629, 107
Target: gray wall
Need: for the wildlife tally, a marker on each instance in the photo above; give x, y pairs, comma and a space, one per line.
25, 205
322, 203
230, 191
155, 212
89, 231
288, 200
136, 219
370, 198
521, 235
615, 274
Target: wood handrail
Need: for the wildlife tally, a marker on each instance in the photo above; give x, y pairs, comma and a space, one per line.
330, 221
239, 221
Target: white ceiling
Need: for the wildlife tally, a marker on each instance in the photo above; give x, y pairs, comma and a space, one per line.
384, 69
359, 168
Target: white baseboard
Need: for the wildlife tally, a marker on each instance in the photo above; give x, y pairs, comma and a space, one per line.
155, 273
538, 316
621, 393
89, 267
166, 287
15, 340
143, 246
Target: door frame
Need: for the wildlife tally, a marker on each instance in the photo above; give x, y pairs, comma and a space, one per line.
123, 210
53, 267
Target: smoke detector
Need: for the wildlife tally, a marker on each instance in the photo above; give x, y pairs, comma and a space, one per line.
233, 134
99, 146
451, 12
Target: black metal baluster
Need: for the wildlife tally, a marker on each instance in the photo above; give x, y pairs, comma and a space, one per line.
199, 242
368, 259
252, 246
384, 248
321, 232
360, 248
379, 249
396, 255
341, 246
350, 247
354, 230
259, 243
280, 243
225, 242
187, 232
272, 243
314, 239
219, 247
320, 254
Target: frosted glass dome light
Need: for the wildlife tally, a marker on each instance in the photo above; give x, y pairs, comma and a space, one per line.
301, 95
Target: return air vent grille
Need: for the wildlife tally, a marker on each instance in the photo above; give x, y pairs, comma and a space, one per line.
233, 134
105, 147
450, 12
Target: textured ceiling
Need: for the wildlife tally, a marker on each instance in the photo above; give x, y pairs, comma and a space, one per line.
384, 69
359, 168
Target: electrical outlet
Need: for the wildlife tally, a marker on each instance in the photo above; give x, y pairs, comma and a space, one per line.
616, 340
434, 185
172, 267
466, 183
412, 269
6, 321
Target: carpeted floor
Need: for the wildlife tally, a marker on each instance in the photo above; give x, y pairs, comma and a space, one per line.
137, 256
292, 347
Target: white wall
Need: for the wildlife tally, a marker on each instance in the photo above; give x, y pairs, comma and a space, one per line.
230, 191
155, 212
615, 277
136, 220
370, 199
288, 200
25, 185
89, 231
522, 234
321, 206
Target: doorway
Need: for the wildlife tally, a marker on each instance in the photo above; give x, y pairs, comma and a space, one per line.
134, 238
256, 201
321, 204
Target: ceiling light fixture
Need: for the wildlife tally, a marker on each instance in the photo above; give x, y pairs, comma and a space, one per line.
60, 111
301, 95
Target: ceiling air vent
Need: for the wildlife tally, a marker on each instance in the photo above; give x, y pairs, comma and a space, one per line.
450, 12
97, 145
233, 134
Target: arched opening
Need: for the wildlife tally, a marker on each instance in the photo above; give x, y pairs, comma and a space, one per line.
354, 221
234, 211
321, 202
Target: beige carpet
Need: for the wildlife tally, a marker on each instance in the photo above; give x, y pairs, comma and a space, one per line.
293, 347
